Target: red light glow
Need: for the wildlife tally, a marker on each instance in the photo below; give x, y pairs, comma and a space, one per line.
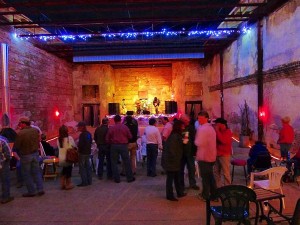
56, 113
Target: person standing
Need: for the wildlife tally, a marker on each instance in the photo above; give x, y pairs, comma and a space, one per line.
118, 137
172, 161
84, 150
205, 141
286, 138
188, 157
156, 103
224, 151
5, 170
104, 150
65, 142
153, 144
132, 124
27, 145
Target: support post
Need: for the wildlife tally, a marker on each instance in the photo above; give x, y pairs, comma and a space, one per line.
5, 81
221, 84
260, 80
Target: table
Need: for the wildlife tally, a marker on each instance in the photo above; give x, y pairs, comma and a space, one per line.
262, 196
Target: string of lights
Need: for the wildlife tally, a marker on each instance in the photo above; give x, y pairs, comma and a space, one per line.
133, 35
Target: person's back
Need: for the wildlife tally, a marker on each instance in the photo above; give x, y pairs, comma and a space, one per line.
9, 133
27, 140
100, 134
258, 149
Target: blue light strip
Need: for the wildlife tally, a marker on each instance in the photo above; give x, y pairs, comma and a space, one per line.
133, 35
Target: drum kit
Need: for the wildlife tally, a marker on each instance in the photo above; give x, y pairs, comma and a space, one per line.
142, 106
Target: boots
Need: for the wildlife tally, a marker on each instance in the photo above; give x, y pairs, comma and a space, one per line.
69, 184
63, 182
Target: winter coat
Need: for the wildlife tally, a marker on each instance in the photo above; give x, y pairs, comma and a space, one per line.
172, 154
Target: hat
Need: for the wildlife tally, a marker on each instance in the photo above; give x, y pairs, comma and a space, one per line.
286, 119
81, 124
24, 120
221, 120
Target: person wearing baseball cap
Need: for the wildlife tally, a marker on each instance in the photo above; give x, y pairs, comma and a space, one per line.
27, 144
84, 149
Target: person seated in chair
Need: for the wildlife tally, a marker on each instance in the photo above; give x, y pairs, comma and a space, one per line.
49, 150
258, 149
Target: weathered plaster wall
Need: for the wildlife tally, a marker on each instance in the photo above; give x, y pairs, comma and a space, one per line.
280, 34
93, 74
40, 83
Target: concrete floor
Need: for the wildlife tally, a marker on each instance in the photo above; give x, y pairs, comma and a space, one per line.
105, 202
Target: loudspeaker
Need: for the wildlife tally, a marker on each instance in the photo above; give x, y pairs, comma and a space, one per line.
146, 112
129, 113
113, 108
170, 107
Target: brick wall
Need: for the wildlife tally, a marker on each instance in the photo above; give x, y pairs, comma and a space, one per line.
40, 83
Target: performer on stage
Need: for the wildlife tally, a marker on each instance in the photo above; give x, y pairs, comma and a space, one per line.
123, 107
156, 103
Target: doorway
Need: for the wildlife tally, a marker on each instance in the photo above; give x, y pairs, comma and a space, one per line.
192, 108
91, 114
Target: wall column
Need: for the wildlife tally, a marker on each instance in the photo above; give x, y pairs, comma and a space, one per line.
260, 80
221, 84
5, 81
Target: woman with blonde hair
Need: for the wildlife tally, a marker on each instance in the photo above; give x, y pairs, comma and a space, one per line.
65, 142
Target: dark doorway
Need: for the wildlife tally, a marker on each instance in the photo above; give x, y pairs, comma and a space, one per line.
91, 114
192, 108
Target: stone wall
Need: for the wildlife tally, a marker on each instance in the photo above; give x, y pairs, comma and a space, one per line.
40, 84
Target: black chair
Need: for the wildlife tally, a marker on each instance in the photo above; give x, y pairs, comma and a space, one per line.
262, 162
292, 220
235, 201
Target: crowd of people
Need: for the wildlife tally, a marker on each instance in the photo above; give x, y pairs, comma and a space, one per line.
182, 141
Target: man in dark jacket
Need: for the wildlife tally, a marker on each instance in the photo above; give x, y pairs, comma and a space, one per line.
132, 124
103, 147
188, 159
84, 149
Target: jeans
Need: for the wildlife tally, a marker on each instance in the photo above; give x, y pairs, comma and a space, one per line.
222, 166
117, 150
173, 177
189, 161
284, 150
85, 169
19, 172
31, 172
5, 180
208, 180
152, 153
104, 153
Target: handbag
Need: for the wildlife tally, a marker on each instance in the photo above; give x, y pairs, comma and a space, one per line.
72, 155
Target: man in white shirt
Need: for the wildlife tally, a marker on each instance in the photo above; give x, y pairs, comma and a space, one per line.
206, 155
154, 143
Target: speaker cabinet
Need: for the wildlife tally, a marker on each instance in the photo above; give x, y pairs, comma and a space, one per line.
170, 107
113, 108
129, 113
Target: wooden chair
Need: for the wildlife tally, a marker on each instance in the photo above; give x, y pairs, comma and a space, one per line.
273, 181
234, 205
